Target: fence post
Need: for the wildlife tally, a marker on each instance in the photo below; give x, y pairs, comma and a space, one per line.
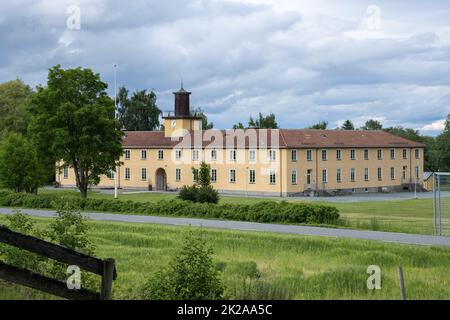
107, 279
402, 283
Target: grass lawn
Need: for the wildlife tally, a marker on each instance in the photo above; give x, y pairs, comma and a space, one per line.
409, 216
291, 267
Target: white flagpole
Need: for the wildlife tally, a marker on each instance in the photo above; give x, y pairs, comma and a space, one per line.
116, 115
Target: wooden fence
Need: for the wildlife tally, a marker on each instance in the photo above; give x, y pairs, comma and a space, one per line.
105, 268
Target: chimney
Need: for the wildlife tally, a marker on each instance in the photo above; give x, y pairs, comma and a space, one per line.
182, 108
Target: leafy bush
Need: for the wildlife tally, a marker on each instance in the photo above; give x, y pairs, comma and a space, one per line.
264, 211
191, 274
207, 194
188, 193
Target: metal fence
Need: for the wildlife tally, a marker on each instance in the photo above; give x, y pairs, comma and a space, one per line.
441, 203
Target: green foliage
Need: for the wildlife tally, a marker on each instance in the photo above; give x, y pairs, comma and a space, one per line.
14, 100
442, 148
207, 194
68, 229
262, 122
204, 174
20, 168
372, 124
138, 112
190, 275
199, 112
264, 211
188, 193
322, 125
73, 120
348, 125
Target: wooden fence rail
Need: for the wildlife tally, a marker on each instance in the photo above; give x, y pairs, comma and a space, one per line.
105, 268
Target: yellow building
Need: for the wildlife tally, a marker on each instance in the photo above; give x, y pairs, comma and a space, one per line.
277, 162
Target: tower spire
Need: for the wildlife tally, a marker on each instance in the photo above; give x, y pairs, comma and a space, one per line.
182, 83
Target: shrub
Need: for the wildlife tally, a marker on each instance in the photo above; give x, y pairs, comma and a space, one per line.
207, 194
263, 211
191, 274
188, 193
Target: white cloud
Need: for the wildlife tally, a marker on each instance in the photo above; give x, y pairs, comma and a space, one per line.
435, 126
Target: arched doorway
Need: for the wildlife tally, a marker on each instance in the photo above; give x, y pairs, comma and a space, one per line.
161, 180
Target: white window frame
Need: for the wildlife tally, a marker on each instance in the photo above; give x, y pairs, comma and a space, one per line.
417, 171
353, 174
324, 175
392, 154
178, 154
338, 154
405, 154
366, 154
177, 174
366, 174
393, 173
213, 155
195, 172
143, 154
380, 154
324, 152
272, 177
160, 154
252, 155
232, 155
65, 172
127, 154
127, 174
294, 177
252, 176
232, 176
294, 155
380, 174
338, 175
213, 175
352, 154
417, 153
309, 155
195, 155
272, 155
143, 174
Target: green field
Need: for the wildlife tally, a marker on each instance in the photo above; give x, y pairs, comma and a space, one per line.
409, 216
291, 267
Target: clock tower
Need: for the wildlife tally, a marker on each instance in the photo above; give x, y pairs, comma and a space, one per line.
181, 122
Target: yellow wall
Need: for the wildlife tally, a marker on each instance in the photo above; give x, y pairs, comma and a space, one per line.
181, 126
283, 167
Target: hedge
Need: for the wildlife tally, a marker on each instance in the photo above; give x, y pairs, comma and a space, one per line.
264, 211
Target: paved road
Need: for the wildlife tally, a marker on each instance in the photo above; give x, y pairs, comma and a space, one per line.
252, 226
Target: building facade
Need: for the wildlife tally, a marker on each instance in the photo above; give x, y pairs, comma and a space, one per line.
277, 162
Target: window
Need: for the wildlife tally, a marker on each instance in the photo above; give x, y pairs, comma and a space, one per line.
252, 155
143, 154
272, 155
339, 175
214, 155
405, 169
232, 176
392, 173
338, 154
213, 175
380, 174
66, 172
144, 174
380, 154
392, 154
353, 174
294, 155
251, 176
366, 154
324, 155
160, 154
127, 174
366, 174
110, 175
177, 154
294, 177
127, 154
417, 153
417, 172
177, 174
309, 155
272, 177
324, 175
195, 175
195, 155
352, 154
405, 154
308, 176
232, 155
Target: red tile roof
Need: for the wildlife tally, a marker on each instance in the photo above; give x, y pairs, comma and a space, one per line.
287, 138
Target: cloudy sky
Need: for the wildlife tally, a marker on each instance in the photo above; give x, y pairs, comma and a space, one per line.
305, 61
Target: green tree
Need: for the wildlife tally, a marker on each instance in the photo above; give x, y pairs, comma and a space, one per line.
348, 125
138, 112
199, 112
20, 168
372, 125
204, 174
14, 100
191, 274
443, 148
322, 125
262, 122
73, 118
